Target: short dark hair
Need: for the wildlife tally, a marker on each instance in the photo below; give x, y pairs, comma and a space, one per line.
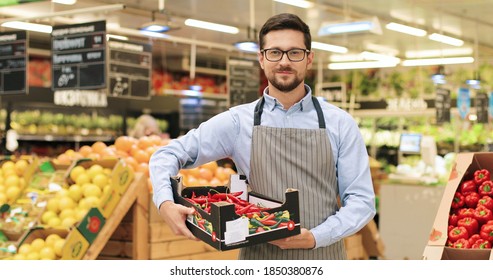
285, 21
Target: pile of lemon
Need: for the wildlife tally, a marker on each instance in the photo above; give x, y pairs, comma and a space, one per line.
12, 180
69, 205
49, 248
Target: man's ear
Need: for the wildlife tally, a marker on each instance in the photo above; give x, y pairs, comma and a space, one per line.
260, 59
309, 58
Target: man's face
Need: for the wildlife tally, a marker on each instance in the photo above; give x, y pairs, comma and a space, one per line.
285, 75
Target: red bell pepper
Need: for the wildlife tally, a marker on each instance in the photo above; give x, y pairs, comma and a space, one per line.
470, 224
451, 227
486, 201
486, 233
471, 199
458, 201
462, 243
468, 187
466, 212
481, 175
481, 244
453, 219
486, 188
457, 233
474, 238
483, 215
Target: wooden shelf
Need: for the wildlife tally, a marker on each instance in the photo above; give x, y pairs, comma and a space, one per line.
136, 199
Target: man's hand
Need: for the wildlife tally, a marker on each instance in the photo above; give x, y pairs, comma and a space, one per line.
175, 215
304, 240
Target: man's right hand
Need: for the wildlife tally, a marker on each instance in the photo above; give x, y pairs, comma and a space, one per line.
175, 215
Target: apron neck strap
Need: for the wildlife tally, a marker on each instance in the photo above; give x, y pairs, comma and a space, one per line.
260, 106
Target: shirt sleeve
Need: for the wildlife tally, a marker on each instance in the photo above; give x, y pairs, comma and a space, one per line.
212, 140
355, 188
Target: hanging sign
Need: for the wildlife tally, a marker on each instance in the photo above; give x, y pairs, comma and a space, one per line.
481, 104
79, 56
244, 81
442, 105
13, 62
130, 68
463, 102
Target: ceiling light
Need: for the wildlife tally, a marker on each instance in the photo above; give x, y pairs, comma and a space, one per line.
439, 53
381, 49
361, 65
371, 25
446, 39
248, 46
155, 26
328, 47
28, 26
406, 29
211, 26
64, 2
297, 3
345, 57
379, 57
118, 37
437, 61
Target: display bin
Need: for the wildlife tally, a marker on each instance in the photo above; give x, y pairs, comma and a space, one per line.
223, 229
463, 169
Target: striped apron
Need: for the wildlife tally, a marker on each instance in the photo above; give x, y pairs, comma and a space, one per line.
296, 158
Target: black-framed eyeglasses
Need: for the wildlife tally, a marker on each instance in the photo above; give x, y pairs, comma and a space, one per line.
294, 55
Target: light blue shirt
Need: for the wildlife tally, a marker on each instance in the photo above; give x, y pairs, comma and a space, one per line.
229, 134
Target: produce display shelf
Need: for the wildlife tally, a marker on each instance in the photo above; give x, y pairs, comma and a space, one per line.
64, 138
136, 199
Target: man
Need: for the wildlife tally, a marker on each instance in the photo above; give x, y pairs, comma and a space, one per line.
285, 139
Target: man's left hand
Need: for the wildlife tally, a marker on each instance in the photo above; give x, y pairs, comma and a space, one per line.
304, 240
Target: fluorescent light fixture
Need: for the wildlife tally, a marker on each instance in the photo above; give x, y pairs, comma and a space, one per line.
329, 47
361, 65
437, 61
406, 29
438, 79
154, 34
439, 53
118, 37
64, 2
28, 26
297, 3
156, 26
248, 46
379, 57
345, 57
211, 26
446, 39
371, 25
381, 49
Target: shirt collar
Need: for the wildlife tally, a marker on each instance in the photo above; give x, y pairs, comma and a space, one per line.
272, 103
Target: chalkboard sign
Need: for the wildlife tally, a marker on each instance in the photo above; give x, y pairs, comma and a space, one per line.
481, 103
13, 62
244, 81
130, 68
79, 56
442, 105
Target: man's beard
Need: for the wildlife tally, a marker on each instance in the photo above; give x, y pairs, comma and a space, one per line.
285, 87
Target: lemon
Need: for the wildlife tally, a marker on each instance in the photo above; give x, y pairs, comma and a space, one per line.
80, 213
32, 256
52, 205
76, 171
91, 190
37, 244
58, 247
66, 202
20, 166
11, 180
3, 198
94, 170
100, 180
93, 201
47, 253
51, 239
82, 179
47, 215
62, 193
19, 257
75, 192
12, 193
68, 222
68, 212
8, 165
24, 249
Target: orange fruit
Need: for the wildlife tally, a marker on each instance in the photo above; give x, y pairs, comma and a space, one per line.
206, 174
85, 150
155, 139
212, 166
132, 163
144, 168
98, 147
221, 174
123, 143
144, 142
141, 156
195, 172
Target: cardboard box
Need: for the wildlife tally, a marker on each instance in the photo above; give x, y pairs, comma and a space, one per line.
91, 224
223, 229
463, 169
75, 244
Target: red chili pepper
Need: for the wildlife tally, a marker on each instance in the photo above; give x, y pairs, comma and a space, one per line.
481, 175
486, 188
471, 199
244, 209
481, 244
486, 232
458, 201
468, 187
471, 225
269, 222
453, 219
483, 214
486, 201
260, 229
457, 233
461, 243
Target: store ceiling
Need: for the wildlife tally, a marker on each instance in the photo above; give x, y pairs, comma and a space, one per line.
469, 20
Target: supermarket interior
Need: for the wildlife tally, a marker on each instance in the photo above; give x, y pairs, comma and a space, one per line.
78, 78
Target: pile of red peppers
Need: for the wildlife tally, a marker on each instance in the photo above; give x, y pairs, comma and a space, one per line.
470, 222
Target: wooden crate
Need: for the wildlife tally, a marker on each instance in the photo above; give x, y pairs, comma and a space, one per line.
162, 243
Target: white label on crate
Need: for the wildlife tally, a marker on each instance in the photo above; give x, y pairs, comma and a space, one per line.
236, 231
238, 185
